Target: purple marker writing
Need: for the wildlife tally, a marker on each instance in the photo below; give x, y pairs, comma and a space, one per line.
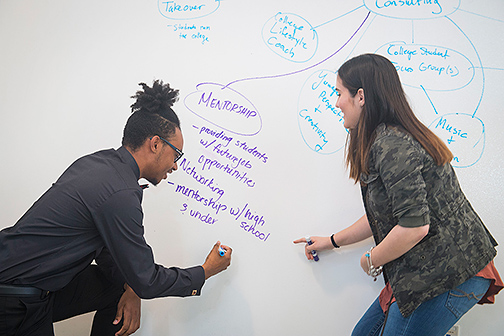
313, 252
222, 251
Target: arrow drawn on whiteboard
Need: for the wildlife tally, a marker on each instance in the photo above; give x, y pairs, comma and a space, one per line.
305, 69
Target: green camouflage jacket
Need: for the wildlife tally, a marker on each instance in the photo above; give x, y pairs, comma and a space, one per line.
405, 186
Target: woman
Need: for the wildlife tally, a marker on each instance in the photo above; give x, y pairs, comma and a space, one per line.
435, 253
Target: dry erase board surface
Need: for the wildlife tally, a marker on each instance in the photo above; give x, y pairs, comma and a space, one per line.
264, 143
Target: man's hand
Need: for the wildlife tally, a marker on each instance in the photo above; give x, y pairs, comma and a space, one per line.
128, 310
215, 263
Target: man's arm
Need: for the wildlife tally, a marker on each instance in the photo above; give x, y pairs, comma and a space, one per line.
119, 221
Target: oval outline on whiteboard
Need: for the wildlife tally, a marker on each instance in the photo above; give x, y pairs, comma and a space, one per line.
482, 137
226, 128
315, 39
417, 45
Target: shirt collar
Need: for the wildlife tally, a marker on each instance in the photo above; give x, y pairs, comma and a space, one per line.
127, 158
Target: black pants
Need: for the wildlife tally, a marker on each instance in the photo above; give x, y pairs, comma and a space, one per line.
89, 291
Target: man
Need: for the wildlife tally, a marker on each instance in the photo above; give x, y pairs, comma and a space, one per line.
93, 212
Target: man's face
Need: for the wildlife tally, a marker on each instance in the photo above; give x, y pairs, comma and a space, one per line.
164, 162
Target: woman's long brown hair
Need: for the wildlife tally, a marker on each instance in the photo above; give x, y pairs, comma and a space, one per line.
385, 103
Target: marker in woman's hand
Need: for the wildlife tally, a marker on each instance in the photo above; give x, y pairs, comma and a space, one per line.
313, 252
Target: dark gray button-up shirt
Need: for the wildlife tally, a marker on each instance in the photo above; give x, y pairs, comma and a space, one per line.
92, 211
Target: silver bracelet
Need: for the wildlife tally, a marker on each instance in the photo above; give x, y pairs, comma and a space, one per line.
374, 272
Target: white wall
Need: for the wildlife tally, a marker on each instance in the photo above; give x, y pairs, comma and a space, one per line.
68, 69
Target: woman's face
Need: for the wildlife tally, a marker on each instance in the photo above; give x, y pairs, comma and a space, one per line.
351, 107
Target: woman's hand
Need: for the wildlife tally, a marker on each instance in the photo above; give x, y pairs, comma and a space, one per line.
397, 242
319, 244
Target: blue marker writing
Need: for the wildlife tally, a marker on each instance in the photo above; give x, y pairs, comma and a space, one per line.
222, 251
313, 252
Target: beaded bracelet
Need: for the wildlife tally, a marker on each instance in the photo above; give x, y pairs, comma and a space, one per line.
374, 272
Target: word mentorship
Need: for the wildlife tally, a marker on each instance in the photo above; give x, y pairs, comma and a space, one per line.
195, 195
249, 221
226, 105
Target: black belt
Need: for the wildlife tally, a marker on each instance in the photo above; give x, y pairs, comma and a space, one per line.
22, 291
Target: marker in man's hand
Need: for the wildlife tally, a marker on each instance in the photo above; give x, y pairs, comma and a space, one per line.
222, 251
313, 252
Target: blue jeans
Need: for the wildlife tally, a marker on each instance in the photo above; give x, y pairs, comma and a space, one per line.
433, 317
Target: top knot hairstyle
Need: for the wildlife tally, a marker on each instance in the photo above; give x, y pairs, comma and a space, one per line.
152, 114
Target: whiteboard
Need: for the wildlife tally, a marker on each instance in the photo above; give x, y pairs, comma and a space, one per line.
264, 143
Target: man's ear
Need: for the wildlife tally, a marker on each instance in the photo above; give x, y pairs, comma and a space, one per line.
154, 143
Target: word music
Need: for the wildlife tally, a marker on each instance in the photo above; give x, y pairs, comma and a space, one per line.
452, 130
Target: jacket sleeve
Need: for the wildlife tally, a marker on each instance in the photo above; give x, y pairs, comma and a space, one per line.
119, 221
399, 162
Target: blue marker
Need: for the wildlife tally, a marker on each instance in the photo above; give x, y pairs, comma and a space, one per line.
222, 251
313, 252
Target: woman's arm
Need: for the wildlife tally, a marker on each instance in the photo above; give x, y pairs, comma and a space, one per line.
397, 242
356, 232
